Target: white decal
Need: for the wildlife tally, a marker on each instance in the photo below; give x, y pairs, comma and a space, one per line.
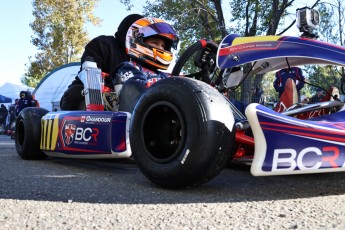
277, 159
98, 119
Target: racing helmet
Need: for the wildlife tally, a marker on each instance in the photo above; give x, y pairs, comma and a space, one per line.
145, 54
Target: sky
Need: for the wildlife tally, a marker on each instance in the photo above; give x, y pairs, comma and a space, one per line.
15, 45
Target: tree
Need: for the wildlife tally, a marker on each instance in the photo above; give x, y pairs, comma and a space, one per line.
192, 20
323, 76
259, 17
332, 15
59, 34
332, 30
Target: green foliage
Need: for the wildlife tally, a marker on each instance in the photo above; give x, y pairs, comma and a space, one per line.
327, 24
192, 20
267, 87
196, 19
323, 76
332, 14
59, 34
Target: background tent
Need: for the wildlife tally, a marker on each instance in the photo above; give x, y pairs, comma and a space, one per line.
12, 91
4, 99
51, 88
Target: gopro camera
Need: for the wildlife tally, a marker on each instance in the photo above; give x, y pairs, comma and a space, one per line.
307, 19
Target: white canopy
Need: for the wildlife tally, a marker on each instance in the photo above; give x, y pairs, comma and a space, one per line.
51, 88
12, 90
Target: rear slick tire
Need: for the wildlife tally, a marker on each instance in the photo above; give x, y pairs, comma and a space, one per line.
28, 133
182, 133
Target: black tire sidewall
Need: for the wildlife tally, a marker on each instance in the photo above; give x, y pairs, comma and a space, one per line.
28, 133
194, 101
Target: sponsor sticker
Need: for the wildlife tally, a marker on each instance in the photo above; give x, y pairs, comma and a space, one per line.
69, 133
72, 134
95, 119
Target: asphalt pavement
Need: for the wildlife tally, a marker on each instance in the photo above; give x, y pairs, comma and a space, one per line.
91, 194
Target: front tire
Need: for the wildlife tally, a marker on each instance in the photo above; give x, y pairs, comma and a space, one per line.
182, 133
28, 133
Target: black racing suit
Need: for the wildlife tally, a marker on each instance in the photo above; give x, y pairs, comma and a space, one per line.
108, 52
133, 80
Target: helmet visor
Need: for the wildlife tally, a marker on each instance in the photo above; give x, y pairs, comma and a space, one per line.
161, 29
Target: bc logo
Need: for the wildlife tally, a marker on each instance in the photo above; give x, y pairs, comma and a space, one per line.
310, 158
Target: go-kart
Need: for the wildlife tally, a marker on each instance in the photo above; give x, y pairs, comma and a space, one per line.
184, 130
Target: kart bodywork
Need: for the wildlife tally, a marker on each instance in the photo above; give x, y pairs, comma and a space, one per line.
184, 131
86, 134
284, 144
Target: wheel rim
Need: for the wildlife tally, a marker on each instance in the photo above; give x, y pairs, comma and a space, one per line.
163, 132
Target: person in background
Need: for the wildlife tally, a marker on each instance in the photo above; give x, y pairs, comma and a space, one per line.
318, 97
12, 112
3, 116
34, 102
12, 118
25, 100
257, 95
295, 73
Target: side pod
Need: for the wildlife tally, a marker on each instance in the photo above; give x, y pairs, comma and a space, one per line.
285, 145
86, 134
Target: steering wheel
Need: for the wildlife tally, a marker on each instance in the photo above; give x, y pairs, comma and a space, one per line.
199, 62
